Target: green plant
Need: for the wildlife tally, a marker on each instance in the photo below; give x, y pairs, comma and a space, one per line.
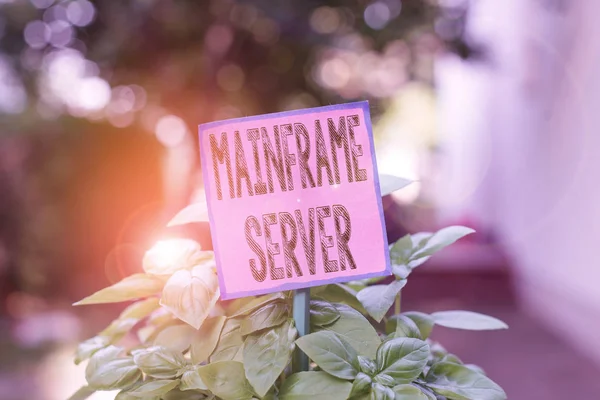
190, 345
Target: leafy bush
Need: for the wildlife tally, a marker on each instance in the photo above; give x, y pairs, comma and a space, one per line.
190, 345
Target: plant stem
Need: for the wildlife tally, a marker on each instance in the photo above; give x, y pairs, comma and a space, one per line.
397, 304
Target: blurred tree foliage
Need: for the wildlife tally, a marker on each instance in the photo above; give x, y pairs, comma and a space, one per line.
198, 60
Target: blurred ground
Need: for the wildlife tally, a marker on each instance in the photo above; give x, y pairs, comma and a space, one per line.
527, 360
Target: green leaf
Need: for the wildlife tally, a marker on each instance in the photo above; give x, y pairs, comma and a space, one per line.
384, 379
423, 321
87, 348
355, 329
409, 392
361, 385
159, 362
229, 346
442, 238
177, 394
226, 379
402, 358
323, 313
406, 327
177, 337
156, 388
467, 320
401, 250
133, 287
82, 394
390, 183
206, 338
367, 366
191, 380
381, 392
191, 295
462, 383
246, 305
129, 318
270, 315
107, 371
332, 353
314, 386
266, 355
196, 212
378, 299
338, 293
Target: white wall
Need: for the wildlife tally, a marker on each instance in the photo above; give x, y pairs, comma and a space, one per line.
529, 147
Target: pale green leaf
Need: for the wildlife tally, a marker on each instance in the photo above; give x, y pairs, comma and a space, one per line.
226, 379
246, 305
367, 366
133, 287
355, 329
107, 370
266, 354
406, 327
409, 392
177, 337
378, 299
87, 348
423, 321
331, 353
206, 338
82, 394
269, 315
196, 212
390, 183
314, 386
462, 383
191, 380
156, 388
467, 320
229, 346
361, 385
401, 250
159, 362
402, 358
323, 313
337, 293
381, 392
191, 295
442, 238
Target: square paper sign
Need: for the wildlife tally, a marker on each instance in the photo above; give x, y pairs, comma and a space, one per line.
294, 199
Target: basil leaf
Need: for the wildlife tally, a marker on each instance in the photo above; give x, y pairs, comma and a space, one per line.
270, 315
403, 359
467, 320
227, 380
314, 385
462, 383
332, 353
378, 299
206, 338
355, 329
323, 313
423, 321
266, 354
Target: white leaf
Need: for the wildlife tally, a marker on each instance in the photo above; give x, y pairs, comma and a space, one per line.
467, 320
190, 295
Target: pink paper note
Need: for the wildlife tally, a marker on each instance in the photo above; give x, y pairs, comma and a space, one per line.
294, 199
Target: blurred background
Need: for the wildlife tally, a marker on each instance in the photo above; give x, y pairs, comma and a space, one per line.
489, 105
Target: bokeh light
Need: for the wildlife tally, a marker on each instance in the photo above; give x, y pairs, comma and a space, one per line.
170, 130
